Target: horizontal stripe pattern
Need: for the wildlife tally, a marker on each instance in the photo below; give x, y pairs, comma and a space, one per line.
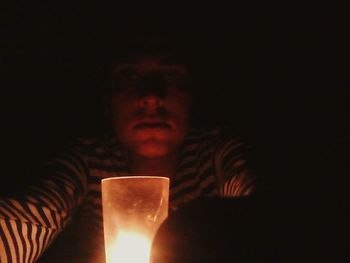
209, 165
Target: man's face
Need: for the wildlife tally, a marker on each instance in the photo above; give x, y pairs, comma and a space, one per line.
150, 103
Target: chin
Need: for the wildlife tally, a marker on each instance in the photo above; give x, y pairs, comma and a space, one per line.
153, 150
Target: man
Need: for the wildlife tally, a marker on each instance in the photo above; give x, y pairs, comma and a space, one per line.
149, 104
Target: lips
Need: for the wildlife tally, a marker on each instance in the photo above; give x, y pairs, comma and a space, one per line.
152, 125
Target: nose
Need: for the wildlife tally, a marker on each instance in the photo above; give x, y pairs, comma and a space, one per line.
151, 101
152, 91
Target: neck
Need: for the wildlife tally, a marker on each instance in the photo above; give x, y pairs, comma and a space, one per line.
162, 166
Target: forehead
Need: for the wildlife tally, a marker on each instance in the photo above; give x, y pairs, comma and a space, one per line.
150, 62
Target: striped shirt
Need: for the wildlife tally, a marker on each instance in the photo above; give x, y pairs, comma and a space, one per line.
210, 164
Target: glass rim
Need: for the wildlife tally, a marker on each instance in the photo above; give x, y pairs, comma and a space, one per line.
141, 176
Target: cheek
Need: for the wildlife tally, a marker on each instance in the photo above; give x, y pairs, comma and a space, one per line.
181, 106
121, 109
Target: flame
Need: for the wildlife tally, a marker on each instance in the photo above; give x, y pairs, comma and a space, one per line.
129, 247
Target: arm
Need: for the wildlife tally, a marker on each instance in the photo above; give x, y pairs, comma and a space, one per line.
29, 223
232, 171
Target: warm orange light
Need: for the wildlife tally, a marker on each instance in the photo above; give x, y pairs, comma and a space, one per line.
130, 247
133, 209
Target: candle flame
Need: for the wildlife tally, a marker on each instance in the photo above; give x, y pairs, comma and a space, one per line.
130, 247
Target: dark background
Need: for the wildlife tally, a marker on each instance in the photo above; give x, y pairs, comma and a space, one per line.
274, 71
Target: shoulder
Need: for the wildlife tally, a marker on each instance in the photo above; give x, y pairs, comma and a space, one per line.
83, 149
93, 142
98, 144
216, 138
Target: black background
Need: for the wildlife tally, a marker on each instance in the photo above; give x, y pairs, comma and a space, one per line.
274, 71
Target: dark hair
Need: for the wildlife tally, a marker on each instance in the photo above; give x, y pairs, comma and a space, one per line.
175, 45
128, 44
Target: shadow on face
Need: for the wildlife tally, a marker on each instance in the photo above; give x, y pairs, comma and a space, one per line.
149, 102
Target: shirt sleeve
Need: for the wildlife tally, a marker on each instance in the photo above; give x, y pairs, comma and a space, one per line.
232, 170
29, 222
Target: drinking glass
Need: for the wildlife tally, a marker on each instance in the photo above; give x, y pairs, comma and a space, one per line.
133, 209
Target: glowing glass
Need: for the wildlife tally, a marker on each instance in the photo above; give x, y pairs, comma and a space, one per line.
133, 209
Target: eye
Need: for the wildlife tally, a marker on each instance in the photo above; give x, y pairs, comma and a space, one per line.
125, 79
172, 76
176, 79
128, 76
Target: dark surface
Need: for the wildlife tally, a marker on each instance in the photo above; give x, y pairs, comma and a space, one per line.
246, 230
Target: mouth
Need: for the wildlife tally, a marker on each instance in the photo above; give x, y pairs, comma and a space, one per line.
152, 125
